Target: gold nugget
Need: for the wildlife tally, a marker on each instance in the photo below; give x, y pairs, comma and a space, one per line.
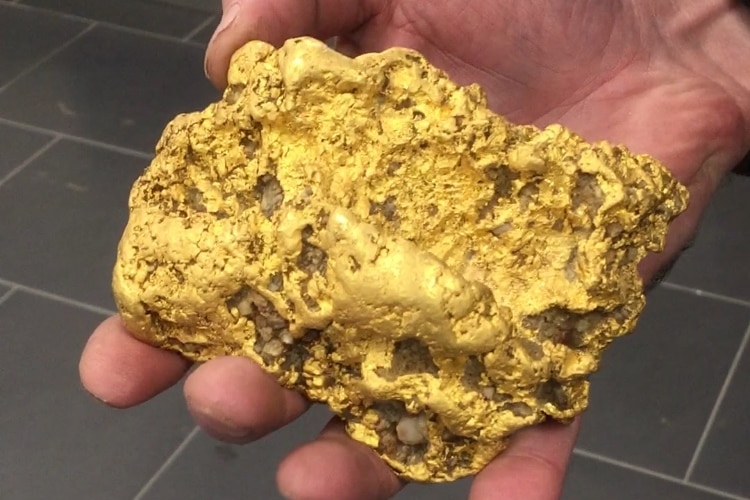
376, 238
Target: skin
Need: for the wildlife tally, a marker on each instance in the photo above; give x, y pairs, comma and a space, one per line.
664, 78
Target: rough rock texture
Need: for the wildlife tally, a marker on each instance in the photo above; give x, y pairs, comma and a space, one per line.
376, 238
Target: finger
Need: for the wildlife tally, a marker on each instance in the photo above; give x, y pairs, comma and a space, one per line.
122, 371
234, 400
533, 466
655, 266
335, 466
274, 21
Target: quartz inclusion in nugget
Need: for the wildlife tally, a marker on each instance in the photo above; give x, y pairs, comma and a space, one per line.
376, 238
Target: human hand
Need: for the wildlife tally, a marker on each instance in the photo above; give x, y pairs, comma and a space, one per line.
654, 77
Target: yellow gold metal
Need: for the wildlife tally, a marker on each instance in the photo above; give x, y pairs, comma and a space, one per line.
376, 238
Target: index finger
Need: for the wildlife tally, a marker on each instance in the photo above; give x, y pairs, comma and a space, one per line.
123, 371
276, 21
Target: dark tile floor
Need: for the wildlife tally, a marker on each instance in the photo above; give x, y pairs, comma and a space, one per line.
85, 89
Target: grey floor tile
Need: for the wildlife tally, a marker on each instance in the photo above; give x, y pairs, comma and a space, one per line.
16, 146
743, 167
62, 218
204, 35
725, 457
58, 442
140, 14
26, 37
593, 480
112, 86
210, 469
204, 5
656, 388
718, 262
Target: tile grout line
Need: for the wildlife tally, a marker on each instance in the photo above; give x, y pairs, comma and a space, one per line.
39, 152
49, 56
108, 24
702, 293
659, 475
4, 297
74, 138
167, 464
57, 298
206, 22
150, 34
717, 405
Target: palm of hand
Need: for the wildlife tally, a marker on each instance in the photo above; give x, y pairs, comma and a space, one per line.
621, 70
604, 69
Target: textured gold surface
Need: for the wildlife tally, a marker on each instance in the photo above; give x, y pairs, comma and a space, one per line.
375, 237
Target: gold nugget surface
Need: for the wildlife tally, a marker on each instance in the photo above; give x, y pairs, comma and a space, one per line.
376, 238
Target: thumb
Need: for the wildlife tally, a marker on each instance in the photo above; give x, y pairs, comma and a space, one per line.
275, 21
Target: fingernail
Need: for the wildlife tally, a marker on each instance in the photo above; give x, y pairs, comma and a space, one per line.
218, 426
227, 18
